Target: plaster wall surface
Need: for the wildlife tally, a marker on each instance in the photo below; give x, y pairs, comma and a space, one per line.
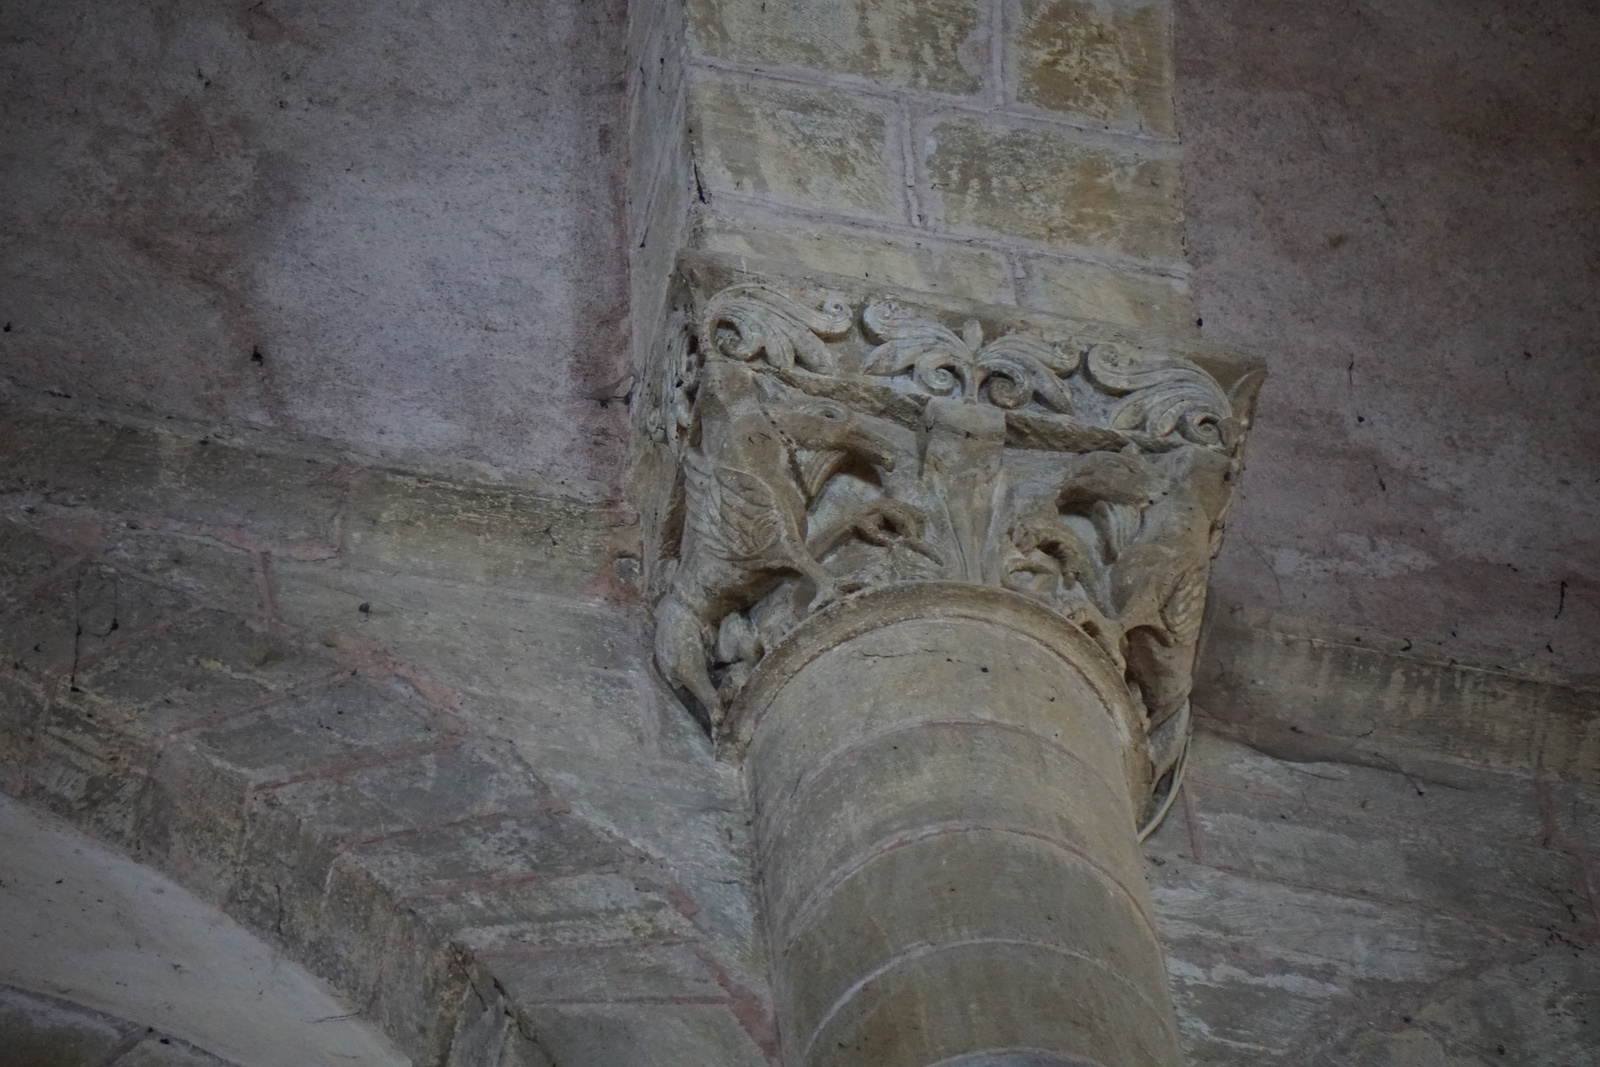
87, 923
396, 226
1395, 205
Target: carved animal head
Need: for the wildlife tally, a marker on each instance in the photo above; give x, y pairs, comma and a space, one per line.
826, 426
1115, 477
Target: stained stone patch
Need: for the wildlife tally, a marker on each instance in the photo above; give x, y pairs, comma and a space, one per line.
1045, 186
803, 146
938, 45
1107, 63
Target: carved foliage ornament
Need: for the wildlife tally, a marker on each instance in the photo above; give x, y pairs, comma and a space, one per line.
826, 449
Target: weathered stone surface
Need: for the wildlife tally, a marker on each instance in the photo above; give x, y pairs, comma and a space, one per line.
1571, 743
1405, 236
471, 638
230, 492
936, 44
25, 557
567, 913
324, 729
912, 261
1301, 932
39, 1031
1143, 301
1494, 805
481, 534
1108, 63
59, 631
209, 664
87, 767
1541, 1009
498, 847
1045, 185
662, 1035
355, 251
192, 819
199, 567
804, 146
436, 787
600, 974
1371, 700
21, 706
1405, 863
1575, 810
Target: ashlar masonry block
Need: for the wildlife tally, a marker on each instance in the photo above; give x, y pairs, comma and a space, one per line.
1108, 63
938, 45
1047, 185
810, 147
922, 262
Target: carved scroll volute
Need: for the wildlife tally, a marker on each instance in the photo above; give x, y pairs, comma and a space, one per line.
824, 451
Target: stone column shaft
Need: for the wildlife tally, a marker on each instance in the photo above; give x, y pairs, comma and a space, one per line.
947, 843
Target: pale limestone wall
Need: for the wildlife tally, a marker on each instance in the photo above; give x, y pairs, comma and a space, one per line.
1012, 153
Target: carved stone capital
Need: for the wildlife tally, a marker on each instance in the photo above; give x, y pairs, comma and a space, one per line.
827, 445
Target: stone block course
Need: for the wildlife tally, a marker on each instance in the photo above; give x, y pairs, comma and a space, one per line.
662, 1035
206, 666
193, 818
1047, 185
89, 768
1366, 904
21, 706
1105, 63
1457, 872
1361, 700
431, 788
81, 615
1126, 298
292, 502
937, 45
1493, 805
198, 567
466, 637
497, 848
324, 730
485, 535
804, 146
909, 260
568, 912
605, 975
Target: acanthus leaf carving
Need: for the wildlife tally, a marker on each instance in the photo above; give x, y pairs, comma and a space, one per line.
747, 321
831, 451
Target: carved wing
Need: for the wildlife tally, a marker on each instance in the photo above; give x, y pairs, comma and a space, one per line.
733, 513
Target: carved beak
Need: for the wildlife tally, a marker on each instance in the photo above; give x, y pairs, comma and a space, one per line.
877, 447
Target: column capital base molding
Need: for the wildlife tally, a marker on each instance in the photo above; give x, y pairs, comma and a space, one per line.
888, 605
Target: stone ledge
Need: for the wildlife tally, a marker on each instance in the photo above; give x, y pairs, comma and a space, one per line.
1309, 697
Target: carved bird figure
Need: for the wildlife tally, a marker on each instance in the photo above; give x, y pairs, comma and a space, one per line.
746, 504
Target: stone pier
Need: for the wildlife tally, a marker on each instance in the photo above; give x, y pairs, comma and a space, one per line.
934, 575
